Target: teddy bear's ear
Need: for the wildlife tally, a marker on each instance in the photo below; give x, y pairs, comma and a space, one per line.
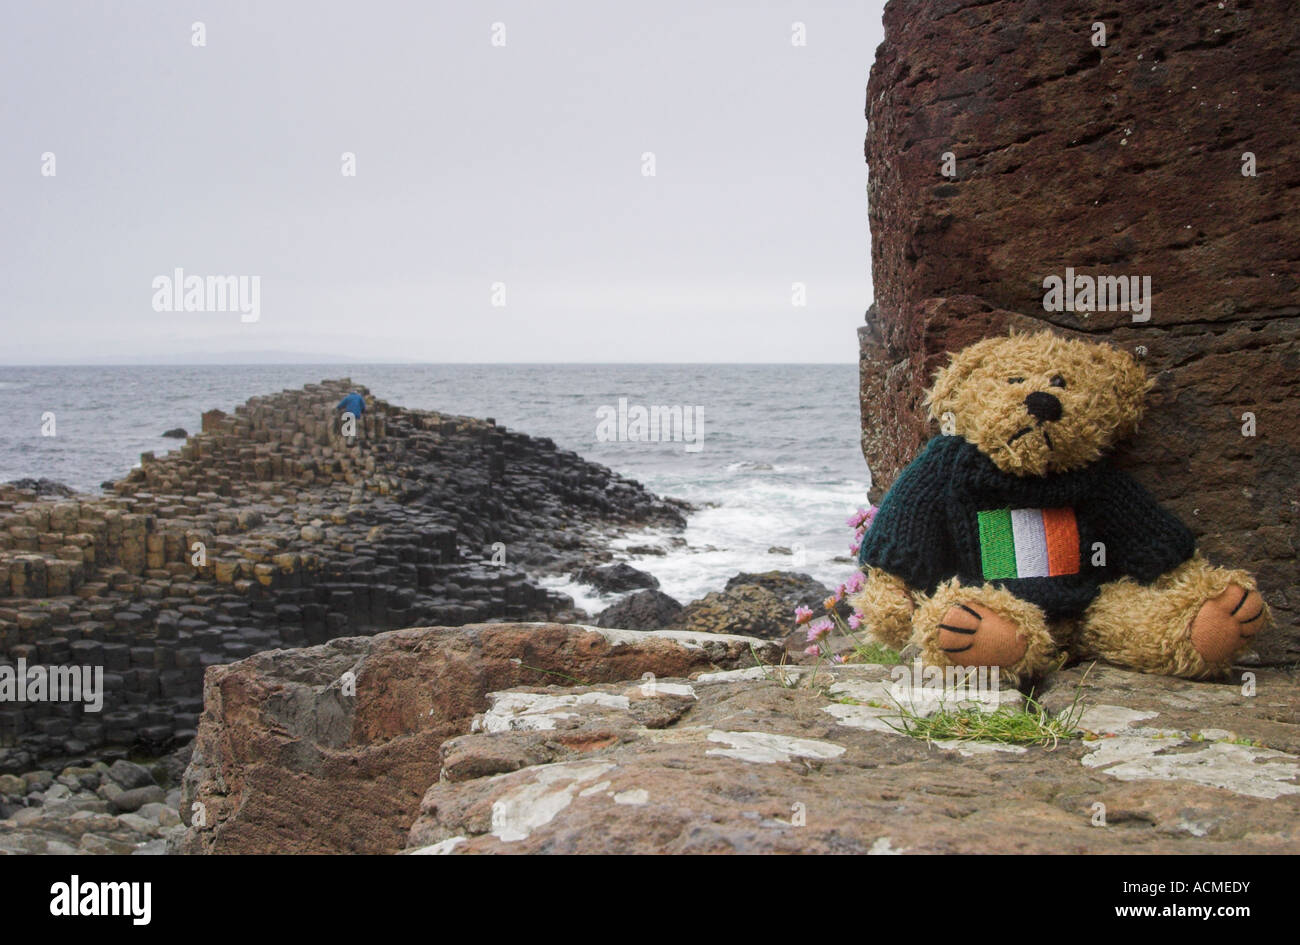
942, 395
1131, 385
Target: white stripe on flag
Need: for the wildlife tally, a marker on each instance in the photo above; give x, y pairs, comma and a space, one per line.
1031, 542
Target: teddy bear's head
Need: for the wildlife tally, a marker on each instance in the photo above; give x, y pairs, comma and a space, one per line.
1039, 403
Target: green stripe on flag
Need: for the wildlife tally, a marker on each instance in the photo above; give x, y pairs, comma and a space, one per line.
997, 545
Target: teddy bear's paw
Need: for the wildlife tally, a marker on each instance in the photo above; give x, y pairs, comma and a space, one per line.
1227, 623
974, 635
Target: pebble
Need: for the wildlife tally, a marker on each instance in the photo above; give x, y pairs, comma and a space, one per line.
128, 775
137, 823
155, 811
94, 818
38, 780
134, 799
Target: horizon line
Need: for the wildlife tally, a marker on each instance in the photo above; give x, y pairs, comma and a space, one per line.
346, 364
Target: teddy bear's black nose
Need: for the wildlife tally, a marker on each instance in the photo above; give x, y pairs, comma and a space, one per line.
1043, 406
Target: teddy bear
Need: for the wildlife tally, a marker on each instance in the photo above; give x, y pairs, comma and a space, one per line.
1011, 540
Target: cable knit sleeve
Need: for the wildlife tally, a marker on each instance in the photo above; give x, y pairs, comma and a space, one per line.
1142, 539
909, 537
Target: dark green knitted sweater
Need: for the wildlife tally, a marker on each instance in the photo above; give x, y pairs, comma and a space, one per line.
1051, 540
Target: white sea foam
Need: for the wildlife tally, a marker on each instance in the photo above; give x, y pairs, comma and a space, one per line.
736, 534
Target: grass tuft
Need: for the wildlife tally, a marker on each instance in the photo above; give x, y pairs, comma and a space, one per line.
870, 651
1030, 724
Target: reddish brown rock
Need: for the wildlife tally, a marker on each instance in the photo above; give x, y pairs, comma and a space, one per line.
287, 761
1117, 160
744, 762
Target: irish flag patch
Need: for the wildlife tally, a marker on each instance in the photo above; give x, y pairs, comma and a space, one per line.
1023, 543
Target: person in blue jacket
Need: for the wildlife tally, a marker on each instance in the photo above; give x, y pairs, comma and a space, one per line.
353, 403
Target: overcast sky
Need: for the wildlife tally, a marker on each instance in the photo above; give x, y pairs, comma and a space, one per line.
521, 164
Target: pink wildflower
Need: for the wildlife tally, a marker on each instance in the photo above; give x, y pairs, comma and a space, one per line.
854, 583
802, 615
855, 622
819, 629
814, 650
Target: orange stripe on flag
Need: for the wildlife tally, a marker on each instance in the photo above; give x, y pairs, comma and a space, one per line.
1062, 541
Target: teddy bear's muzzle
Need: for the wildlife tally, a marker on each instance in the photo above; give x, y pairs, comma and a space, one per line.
1043, 407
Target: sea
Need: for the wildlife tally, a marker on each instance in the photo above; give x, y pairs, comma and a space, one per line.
771, 457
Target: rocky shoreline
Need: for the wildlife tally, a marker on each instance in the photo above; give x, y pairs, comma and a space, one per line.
271, 530
364, 663
545, 738
95, 807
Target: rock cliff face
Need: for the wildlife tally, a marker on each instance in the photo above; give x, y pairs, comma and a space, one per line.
540, 738
1123, 159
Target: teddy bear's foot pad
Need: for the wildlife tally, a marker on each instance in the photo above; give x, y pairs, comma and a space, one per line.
1226, 623
973, 635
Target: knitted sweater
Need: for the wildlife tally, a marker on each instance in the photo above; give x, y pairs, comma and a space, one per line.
1051, 540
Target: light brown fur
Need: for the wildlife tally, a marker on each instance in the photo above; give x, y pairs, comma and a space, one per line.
890, 604
1167, 627
976, 398
1164, 611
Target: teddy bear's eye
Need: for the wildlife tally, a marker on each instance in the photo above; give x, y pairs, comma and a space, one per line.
1057, 381
1015, 380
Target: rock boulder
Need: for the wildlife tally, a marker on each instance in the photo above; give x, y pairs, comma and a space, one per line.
330, 748
744, 609
615, 578
642, 610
